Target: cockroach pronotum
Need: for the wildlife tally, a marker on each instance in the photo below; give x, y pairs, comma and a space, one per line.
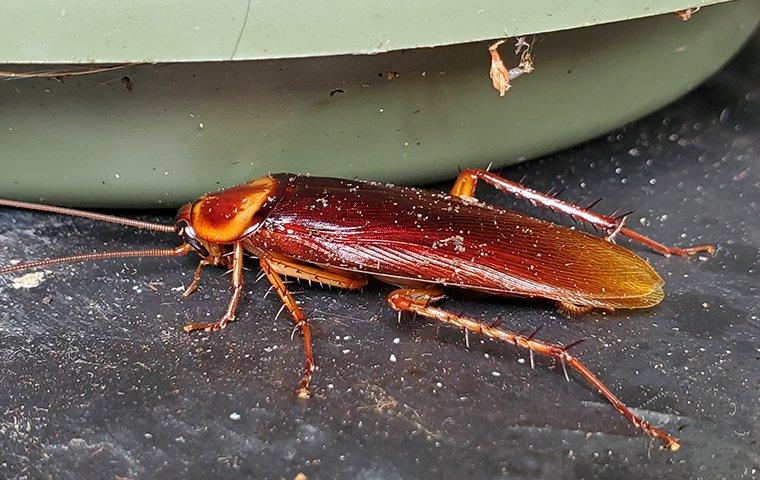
341, 232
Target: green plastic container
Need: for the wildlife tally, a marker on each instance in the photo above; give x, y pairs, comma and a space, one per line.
234, 90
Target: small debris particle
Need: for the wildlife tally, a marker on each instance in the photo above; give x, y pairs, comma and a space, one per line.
457, 241
392, 358
685, 14
301, 476
234, 416
396, 340
30, 280
336, 92
520, 360
495, 374
499, 73
128, 84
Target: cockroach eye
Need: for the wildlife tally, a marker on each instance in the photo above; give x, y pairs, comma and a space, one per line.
187, 233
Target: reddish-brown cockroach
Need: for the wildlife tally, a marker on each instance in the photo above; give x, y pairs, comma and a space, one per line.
340, 232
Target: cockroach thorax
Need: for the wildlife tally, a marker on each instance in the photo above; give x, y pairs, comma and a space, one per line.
232, 214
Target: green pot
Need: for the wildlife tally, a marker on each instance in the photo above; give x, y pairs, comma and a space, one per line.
229, 96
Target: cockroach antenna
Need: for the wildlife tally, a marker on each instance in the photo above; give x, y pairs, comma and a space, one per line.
179, 251
129, 222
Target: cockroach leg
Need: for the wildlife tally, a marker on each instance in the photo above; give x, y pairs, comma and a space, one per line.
570, 309
421, 301
196, 278
613, 234
301, 271
237, 291
301, 322
466, 183
275, 265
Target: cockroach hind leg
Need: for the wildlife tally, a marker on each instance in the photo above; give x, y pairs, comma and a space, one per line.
465, 185
570, 309
412, 300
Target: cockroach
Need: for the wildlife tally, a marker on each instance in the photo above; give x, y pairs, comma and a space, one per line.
342, 232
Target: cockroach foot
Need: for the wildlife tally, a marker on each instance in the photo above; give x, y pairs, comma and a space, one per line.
208, 327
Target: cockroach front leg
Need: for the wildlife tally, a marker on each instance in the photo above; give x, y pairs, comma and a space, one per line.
237, 291
466, 183
221, 260
421, 301
196, 278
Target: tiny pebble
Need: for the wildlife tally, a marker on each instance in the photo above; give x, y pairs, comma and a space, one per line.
235, 416
496, 374
393, 358
396, 340
520, 360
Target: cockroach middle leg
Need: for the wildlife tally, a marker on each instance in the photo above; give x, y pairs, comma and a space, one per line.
331, 278
237, 291
467, 181
301, 322
275, 265
421, 301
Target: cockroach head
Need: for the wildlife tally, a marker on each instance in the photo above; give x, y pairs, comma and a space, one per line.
188, 235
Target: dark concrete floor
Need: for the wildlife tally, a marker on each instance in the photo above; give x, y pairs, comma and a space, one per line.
99, 382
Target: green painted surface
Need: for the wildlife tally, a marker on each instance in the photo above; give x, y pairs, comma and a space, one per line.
186, 128
74, 31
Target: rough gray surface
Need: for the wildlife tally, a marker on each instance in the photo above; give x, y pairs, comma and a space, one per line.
99, 382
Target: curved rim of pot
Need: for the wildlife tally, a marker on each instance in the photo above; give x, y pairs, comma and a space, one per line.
92, 31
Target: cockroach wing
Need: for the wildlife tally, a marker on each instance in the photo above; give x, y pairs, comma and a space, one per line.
415, 235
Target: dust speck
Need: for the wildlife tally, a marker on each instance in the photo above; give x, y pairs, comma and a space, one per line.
30, 280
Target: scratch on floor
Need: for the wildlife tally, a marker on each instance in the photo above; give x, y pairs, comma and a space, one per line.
242, 29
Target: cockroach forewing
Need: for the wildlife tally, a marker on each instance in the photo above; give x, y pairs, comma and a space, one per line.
423, 236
